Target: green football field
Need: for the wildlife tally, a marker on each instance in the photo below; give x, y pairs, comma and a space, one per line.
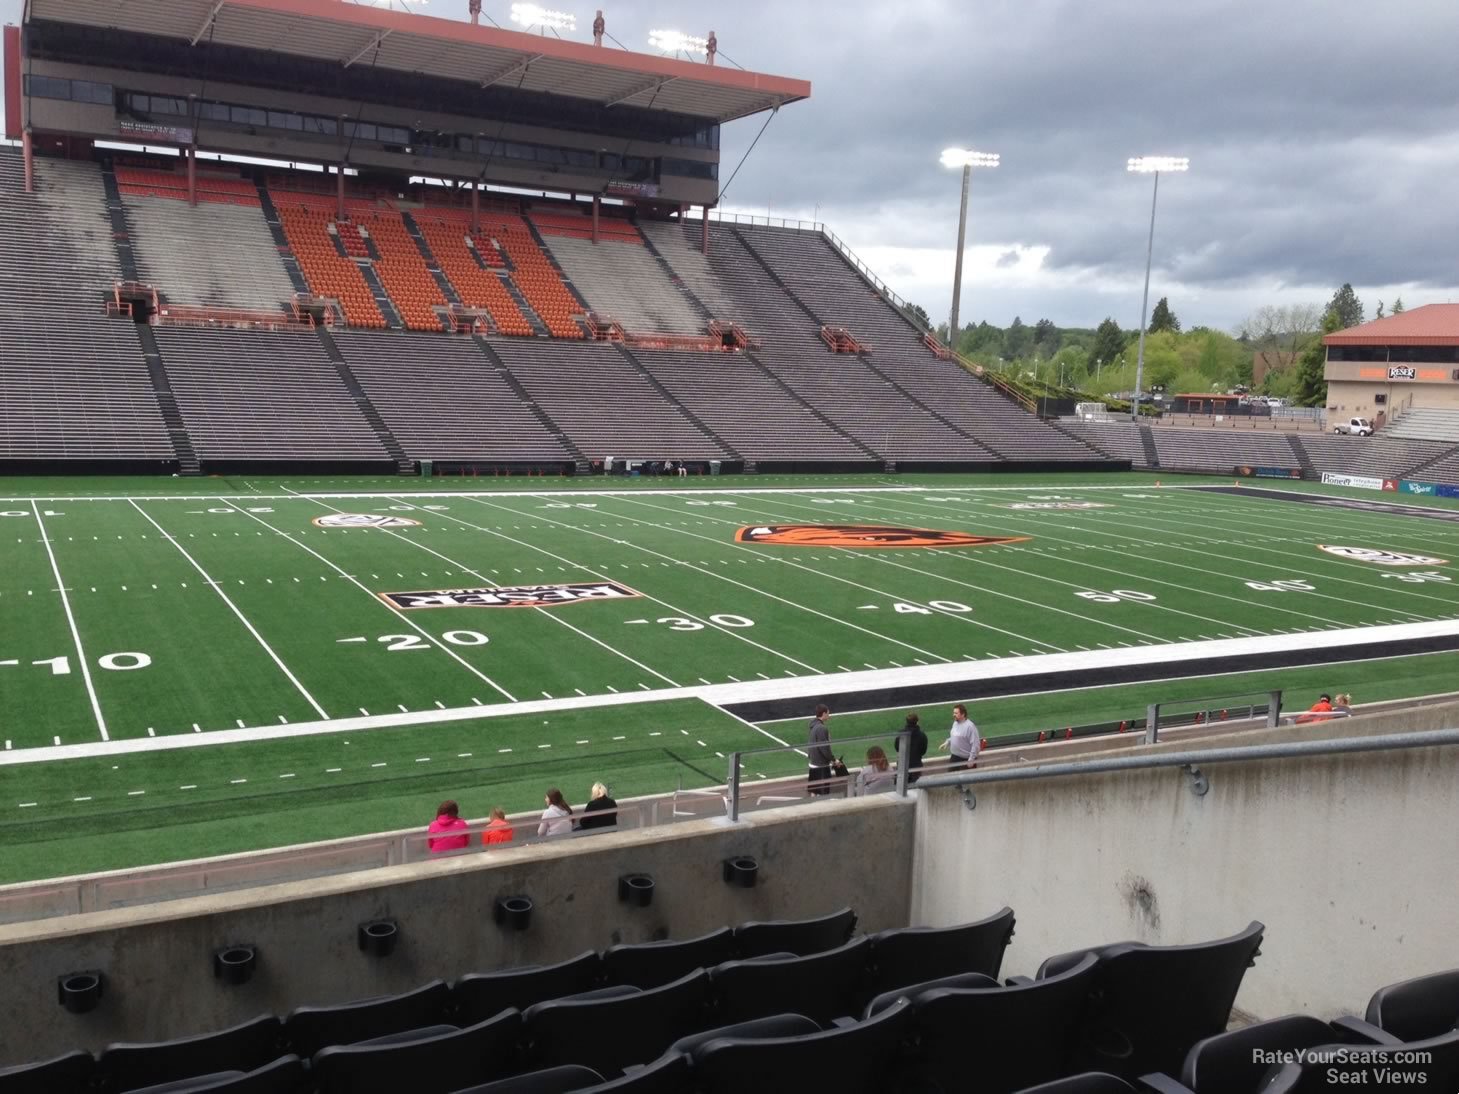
199, 666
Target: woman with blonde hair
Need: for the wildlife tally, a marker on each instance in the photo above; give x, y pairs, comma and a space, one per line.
601, 810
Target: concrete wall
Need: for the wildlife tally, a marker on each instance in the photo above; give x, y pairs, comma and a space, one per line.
158, 961
1351, 862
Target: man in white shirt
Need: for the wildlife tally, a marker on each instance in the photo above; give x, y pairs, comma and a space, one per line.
963, 742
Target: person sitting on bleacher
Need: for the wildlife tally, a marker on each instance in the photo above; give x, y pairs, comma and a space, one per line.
1319, 711
557, 817
878, 775
448, 819
498, 829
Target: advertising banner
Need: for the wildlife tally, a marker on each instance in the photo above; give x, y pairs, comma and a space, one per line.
1449, 491
147, 131
1361, 482
1409, 486
1268, 472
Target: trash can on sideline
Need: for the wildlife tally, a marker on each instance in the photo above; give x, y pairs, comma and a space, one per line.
714, 467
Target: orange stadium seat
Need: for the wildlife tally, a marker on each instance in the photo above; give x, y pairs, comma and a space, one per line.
445, 233
306, 219
402, 270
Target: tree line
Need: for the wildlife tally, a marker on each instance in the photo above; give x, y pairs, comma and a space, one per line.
1102, 360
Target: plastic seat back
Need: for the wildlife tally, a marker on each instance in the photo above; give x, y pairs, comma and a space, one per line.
1033, 1026
858, 1058
477, 996
245, 1047
309, 1029
1431, 1064
284, 1076
667, 1075
428, 1065
802, 936
650, 964
1232, 1062
1427, 1006
60, 1075
822, 986
552, 1080
915, 954
611, 1034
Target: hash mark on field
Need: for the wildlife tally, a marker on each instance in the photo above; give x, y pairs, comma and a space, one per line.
239, 723
701, 744
283, 721
402, 708
150, 732
544, 746
287, 775
501, 750
190, 786
463, 755
135, 793
27, 805
440, 705
197, 728
236, 782
585, 742
620, 738
422, 759
365, 712
333, 770
87, 799
380, 764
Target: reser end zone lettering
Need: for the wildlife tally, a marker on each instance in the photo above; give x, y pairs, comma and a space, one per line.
1382, 558
513, 596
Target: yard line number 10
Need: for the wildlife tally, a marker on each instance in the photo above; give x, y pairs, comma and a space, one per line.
125, 661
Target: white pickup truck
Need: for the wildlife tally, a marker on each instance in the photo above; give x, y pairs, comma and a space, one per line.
1355, 427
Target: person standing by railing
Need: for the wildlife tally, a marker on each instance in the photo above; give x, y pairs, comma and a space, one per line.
963, 742
916, 739
819, 756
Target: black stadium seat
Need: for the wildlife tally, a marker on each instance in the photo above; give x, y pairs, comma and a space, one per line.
667, 1075
911, 955
1427, 1065
64, 1073
309, 1029
610, 1034
823, 986
553, 1080
649, 964
1232, 1062
777, 1025
240, 1048
849, 1059
1155, 1002
479, 995
880, 1002
1091, 1082
435, 1064
284, 1076
1413, 1010
801, 936
1020, 1034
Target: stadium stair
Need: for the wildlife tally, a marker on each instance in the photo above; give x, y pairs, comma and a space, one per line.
674, 402
347, 377
676, 280
1304, 461
382, 298
432, 265
537, 412
1147, 442
809, 409
187, 457
286, 253
891, 382
534, 320
1094, 449
121, 231
1443, 458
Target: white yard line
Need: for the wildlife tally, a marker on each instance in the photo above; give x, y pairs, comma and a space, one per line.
435, 495
388, 607
800, 688
217, 588
487, 581
71, 622
604, 577
740, 584
870, 557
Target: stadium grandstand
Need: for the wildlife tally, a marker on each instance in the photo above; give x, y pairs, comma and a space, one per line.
330, 330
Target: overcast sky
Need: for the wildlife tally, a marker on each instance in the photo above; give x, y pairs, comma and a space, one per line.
1323, 137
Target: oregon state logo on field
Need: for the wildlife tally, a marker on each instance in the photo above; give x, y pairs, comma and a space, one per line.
364, 520
863, 535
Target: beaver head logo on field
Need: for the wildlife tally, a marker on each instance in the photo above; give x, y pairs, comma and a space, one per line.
863, 535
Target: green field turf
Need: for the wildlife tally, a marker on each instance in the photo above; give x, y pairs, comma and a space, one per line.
218, 611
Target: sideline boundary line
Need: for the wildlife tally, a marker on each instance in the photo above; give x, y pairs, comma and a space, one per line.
218, 588
798, 688
71, 622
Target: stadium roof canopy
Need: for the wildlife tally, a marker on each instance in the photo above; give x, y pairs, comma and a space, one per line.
1429, 325
445, 48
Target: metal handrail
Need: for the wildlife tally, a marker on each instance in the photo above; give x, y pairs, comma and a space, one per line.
1206, 705
1428, 738
732, 783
